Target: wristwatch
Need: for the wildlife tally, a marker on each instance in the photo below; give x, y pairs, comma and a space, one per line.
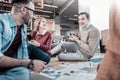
30, 65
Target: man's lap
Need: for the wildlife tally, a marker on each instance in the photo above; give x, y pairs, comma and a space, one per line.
18, 73
71, 56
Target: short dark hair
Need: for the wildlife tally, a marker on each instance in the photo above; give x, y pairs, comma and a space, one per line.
20, 1
86, 14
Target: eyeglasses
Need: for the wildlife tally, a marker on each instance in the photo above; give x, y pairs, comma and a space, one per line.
25, 7
29, 9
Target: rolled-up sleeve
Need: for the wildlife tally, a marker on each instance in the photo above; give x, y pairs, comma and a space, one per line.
0, 39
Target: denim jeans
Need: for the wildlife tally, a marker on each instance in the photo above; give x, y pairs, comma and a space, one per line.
18, 73
36, 53
68, 51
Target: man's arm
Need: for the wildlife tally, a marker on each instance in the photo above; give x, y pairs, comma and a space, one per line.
93, 41
8, 62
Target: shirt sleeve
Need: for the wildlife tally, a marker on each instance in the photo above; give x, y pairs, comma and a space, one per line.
93, 41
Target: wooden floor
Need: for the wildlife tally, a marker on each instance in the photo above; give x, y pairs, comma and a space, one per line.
55, 61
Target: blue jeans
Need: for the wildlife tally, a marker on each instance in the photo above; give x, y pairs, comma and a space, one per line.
17, 73
36, 53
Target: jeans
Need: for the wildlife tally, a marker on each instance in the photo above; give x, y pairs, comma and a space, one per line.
18, 73
68, 51
36, 53
68, 46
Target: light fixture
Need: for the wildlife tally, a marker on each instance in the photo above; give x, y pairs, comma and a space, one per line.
75, 15
74, 19
46, 11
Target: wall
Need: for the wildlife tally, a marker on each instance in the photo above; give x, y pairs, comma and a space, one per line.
57, 30
99, 12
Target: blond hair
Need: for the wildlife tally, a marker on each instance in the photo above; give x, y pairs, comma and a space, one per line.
38, 21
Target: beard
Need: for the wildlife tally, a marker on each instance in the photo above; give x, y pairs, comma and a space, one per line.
26, 18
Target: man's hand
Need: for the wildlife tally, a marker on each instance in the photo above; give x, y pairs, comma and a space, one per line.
38, 66
73, 38
33, 42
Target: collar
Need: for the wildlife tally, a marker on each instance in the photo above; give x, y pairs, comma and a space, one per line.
41, 34
87, 27
11, 20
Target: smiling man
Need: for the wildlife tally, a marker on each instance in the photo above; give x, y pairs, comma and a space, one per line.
14, 62
83, 46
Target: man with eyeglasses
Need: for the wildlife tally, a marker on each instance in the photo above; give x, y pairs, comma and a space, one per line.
14, 62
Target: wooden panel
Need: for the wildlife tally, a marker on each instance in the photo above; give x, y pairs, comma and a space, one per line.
39, 2
51, 25
7, 1
5, 4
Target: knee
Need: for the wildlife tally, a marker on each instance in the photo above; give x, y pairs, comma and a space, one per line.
61, 56
44, 56
62, 43
47, 60
30, 46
